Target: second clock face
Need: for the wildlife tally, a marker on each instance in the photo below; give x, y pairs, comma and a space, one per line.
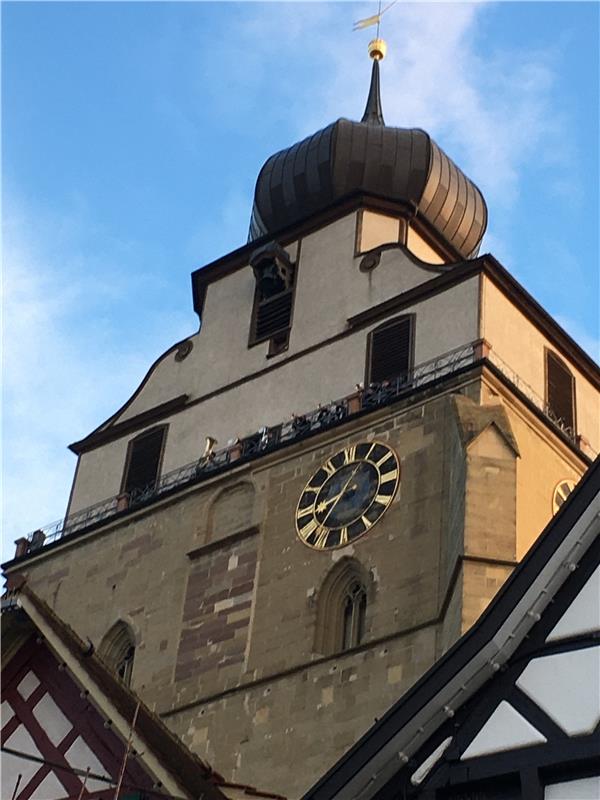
347, 495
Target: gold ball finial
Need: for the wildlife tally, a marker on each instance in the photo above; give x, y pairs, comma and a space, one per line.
377, 49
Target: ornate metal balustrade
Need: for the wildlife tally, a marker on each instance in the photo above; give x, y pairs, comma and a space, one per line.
531, 395
268, 439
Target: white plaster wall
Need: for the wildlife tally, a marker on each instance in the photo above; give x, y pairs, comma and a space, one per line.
377, 229
329, 289
567, 687
521, 345
13, 766
582, 789
443, 322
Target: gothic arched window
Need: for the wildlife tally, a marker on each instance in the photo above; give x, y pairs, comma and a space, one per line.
354, 614
117, 649
342, 608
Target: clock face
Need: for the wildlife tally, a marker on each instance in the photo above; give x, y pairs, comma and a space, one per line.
347, 495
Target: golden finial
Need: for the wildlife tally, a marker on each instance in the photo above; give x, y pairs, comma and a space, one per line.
377, 49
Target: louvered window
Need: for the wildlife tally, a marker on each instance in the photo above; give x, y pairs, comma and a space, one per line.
273, 315
390, 348
274, 297
143, 460
560, 393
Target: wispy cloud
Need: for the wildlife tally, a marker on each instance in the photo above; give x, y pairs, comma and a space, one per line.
488, 107
66, 366
76, 343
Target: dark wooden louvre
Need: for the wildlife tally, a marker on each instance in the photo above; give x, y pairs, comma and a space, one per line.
560, 392
273, 315
390, 351
144, 460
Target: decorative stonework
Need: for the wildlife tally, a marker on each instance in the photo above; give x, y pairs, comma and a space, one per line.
183, 350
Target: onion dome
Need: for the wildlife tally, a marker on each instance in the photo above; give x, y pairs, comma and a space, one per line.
401, 165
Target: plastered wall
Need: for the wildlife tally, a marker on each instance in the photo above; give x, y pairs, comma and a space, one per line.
544, 460
522, 346
329, 289
442, 323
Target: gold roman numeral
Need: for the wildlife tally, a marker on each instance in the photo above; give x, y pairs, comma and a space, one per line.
302, 512
384, 499
390, 476
350, 454
366, 522
329, 468
384, 458
306, 531
322, 538
344, 536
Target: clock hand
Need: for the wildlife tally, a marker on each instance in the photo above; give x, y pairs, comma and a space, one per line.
324, 503
337, 497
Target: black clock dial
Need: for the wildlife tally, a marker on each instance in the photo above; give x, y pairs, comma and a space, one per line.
347, 495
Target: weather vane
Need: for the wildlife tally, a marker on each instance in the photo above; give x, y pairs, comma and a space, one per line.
374, 20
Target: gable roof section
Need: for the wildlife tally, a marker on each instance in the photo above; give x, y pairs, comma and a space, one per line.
181, 773
485, 650
536, 722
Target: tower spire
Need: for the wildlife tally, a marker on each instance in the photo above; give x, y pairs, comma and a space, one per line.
373, 111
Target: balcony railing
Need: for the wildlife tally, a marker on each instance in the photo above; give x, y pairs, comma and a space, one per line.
268, 439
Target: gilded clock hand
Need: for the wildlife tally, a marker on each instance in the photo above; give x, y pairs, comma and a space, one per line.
335, 499
324, 503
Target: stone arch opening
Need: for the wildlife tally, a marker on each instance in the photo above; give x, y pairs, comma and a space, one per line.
117, 650
231, 511
342, 607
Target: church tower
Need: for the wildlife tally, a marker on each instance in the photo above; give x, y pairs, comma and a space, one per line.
307, 502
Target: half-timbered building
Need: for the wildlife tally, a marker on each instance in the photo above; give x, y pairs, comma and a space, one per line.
512, 711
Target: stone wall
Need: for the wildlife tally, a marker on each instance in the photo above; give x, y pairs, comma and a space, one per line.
223, 596
216, 612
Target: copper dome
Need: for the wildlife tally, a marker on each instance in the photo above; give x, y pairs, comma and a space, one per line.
398, 164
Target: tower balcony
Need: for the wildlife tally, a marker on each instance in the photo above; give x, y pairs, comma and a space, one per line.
362, 401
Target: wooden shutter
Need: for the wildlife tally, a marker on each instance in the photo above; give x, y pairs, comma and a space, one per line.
273, 315
144, 460
390, 351
560, 392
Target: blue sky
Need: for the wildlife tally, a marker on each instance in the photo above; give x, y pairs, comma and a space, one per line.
132, 134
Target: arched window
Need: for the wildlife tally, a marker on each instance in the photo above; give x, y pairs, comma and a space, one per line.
354, 614
117, 650
342, 608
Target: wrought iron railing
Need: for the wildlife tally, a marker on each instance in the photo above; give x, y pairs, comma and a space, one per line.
271, 438
531, 395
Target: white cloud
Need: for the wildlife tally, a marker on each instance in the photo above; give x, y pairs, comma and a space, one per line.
66, 366
488, 108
